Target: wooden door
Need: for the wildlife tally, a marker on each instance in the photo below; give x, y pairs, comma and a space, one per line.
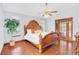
64, 26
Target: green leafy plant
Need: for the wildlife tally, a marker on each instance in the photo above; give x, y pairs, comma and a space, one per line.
11, 25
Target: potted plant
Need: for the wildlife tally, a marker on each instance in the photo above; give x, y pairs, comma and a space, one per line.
11, 27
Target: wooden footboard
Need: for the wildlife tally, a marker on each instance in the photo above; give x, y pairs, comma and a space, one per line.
50, 39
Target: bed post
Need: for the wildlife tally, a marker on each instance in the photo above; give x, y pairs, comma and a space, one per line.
40, 48
40, 43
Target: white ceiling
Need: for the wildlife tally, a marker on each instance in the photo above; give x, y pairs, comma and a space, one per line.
34, 9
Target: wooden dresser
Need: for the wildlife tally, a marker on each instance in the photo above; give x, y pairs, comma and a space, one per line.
77, 44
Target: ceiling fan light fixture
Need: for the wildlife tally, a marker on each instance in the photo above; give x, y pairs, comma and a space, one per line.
46, 15
48, 12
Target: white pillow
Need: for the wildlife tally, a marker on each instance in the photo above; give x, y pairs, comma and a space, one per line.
38, 31
29, 31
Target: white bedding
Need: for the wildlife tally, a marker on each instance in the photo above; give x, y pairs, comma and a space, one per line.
34, 37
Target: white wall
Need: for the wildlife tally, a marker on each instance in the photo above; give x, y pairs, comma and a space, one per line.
24, 19
49, 24
1, 28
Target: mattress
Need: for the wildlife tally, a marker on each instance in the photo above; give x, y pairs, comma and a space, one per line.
34, 37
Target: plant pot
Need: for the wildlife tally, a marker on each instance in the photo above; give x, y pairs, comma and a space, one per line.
77, 34
12, 42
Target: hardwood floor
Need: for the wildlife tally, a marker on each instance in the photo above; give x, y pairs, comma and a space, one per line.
25, 48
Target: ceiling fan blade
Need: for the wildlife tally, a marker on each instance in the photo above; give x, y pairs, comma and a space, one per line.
54, 11
50, 14
46, 4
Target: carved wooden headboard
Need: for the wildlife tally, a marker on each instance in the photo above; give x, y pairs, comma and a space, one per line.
33, 25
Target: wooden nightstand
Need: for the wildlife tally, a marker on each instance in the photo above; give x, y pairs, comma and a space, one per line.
77, 45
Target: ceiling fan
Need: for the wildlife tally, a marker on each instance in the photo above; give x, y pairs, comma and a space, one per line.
48, 12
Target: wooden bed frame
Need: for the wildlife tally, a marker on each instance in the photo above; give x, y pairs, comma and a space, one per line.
48, 40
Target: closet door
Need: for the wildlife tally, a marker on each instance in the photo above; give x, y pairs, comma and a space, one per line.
64, 26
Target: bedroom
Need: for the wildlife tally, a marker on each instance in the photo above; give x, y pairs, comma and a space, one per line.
27, 12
